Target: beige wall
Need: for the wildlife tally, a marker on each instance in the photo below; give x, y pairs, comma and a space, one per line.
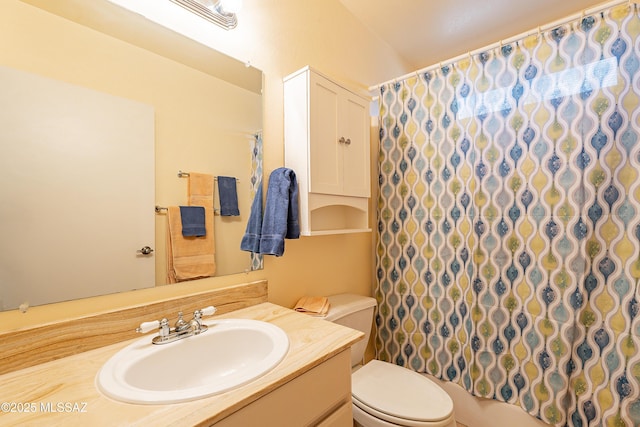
278, 37
281, 37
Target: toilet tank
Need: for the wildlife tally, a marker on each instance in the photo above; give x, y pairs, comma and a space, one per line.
355, 312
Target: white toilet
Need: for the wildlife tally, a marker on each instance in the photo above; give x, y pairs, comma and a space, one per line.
384, 394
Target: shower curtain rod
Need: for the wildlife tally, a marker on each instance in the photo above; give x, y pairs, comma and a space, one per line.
557, 23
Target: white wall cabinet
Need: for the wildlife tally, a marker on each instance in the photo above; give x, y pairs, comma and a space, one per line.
327, 145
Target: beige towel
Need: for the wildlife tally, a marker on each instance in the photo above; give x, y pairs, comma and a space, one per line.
315, 306
189, 257
200, 189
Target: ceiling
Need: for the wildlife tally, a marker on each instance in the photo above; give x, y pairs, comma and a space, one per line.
425, 32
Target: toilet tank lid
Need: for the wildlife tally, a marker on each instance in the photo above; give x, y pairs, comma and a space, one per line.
345, 304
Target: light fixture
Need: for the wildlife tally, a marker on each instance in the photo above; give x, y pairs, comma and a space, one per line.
231, 6
220, 12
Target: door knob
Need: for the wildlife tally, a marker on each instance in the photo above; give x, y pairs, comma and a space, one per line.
146, 250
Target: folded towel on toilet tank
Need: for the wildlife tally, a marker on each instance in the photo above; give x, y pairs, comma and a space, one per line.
314, 306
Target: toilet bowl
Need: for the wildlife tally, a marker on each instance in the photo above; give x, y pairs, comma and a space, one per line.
384, 394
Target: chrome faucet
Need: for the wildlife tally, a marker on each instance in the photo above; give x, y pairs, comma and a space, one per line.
182, 329
181, 325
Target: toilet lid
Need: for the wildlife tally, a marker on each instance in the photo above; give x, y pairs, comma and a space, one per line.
400, 393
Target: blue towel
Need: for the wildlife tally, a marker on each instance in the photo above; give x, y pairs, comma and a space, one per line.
280, 219
251, 239
228, 196
192, 218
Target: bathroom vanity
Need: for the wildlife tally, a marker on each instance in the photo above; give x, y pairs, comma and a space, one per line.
311, 386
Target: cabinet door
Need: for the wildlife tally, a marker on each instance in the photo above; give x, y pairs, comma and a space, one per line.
339, 140
325, 152
354, 127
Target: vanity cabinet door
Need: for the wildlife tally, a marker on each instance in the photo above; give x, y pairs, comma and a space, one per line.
318, 397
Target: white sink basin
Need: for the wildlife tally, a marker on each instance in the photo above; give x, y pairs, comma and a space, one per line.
231, 353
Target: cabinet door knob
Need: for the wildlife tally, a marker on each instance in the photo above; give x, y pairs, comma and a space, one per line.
348, 141
342, 140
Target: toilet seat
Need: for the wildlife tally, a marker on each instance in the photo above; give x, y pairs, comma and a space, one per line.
400, 396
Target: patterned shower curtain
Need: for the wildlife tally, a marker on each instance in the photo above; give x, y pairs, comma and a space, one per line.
509, 222
257, 155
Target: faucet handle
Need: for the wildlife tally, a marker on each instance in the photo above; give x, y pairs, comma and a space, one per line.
208, 311
148, 327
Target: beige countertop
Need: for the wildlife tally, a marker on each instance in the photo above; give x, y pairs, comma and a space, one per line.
63, 392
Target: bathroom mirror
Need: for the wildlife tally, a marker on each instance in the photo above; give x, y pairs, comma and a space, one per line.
207, 117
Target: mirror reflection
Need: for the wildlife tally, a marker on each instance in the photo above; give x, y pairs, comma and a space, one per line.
202, 112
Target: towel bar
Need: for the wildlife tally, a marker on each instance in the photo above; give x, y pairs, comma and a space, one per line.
186, 174
161, 209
